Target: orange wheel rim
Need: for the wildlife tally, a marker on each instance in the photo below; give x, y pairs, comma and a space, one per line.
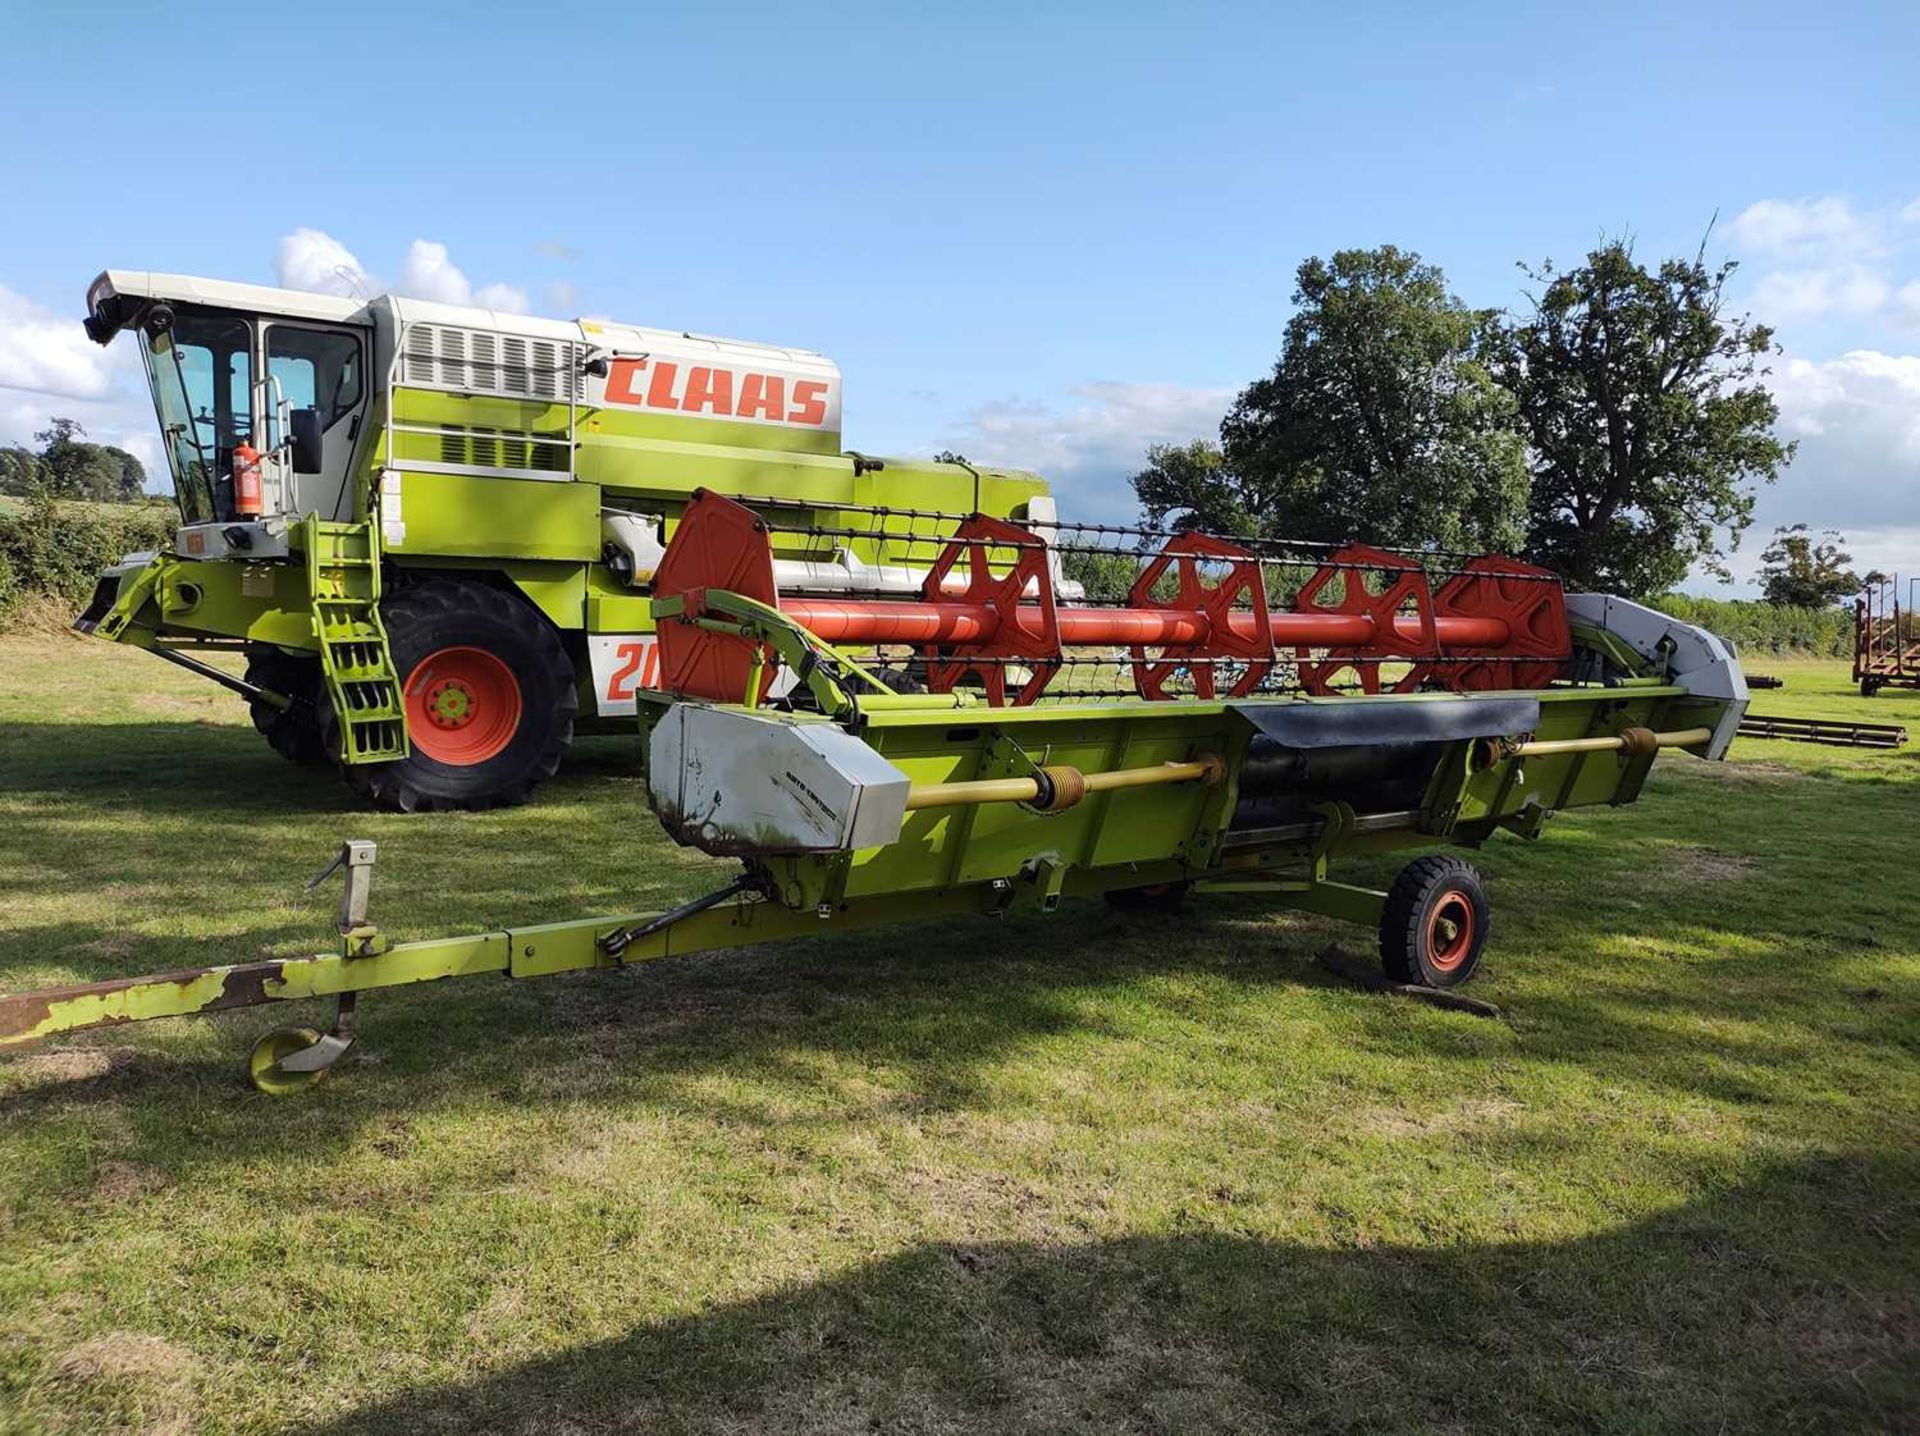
463, 706
1450, 932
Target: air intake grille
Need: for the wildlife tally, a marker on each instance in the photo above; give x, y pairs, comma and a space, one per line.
472, 361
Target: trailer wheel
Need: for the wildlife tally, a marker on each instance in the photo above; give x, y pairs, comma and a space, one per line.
489, 695
1869, 687
1435, 925
297, 733
263, 1062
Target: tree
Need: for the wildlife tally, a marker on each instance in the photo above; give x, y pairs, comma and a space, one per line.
19, 470
1381, 421
1191, 484
1798, 571
1646, 419
73, 468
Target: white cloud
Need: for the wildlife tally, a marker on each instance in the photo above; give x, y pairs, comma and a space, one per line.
1906, 304
427, 273
1090, 448
1822, 228
1857, 420
1785, 294
507, 298
314, 260
49, 353
561, 297
1826, 259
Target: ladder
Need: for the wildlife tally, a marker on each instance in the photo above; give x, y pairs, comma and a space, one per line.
343, 579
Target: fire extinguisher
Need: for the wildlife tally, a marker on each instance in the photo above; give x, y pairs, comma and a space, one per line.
247, 500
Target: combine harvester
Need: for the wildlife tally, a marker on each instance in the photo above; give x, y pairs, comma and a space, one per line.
891, 713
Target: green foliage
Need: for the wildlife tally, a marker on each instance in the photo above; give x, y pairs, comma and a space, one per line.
1756, 627
1381, 421
1103, 575
56, 549
1646, 418
70, 467
1799, 571
1191, 486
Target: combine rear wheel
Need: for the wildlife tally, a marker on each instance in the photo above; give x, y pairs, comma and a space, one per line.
1435, 925
489, 697
295, 733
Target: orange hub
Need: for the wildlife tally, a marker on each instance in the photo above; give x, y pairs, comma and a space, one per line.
463, 706
1450, 931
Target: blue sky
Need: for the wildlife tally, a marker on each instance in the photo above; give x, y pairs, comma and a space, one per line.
1040, 234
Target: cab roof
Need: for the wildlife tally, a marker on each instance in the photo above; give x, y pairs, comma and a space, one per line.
139, 285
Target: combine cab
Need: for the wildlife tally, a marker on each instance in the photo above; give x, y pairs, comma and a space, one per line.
431, 531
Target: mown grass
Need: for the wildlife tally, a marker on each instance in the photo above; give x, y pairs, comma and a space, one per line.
1088, 1173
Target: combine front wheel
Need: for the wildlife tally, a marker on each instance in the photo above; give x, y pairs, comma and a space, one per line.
1435, 925
489, 697
294, 733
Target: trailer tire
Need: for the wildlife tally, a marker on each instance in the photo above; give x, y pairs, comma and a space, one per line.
489, 694
297, 734
1434, 928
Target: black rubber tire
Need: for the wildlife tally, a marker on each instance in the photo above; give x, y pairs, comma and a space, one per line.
1407, 928
297, 733
1163, 898
902, 680
422, 619
1869, 687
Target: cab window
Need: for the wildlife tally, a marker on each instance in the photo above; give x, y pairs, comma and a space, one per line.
317, 369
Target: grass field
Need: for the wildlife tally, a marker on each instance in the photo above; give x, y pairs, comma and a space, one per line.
1090, 1173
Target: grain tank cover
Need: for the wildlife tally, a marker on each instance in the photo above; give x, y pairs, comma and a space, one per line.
695, 376
648, 383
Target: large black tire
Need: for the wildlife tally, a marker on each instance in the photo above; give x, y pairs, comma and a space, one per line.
451, 621
297, 733
1435, 925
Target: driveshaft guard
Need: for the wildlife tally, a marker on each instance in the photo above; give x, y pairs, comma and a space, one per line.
1340, 723
740, 784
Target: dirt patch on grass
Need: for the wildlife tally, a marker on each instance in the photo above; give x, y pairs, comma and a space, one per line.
121, 1356
1735, 770
119, 1181
1463, 1116
1704, 865
127, 1381
81, 1064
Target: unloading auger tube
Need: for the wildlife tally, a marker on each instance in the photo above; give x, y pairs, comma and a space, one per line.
849, 805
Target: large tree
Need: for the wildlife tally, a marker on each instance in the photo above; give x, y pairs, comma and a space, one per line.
1646, 417
75, 468
1381, 421
1803, 569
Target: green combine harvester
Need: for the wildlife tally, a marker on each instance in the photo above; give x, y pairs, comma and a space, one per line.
446, 538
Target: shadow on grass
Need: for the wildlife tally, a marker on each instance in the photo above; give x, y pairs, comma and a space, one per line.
940, 1005
169, 768
1753, 1308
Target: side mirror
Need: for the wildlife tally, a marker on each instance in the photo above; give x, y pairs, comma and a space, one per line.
304, 436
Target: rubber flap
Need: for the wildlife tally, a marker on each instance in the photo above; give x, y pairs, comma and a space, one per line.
1339, 723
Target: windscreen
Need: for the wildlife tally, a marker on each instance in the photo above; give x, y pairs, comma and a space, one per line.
201, 373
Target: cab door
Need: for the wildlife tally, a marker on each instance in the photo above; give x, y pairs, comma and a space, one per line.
322, 368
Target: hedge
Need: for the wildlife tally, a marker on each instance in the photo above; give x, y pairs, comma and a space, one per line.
1754, 627
54, 550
